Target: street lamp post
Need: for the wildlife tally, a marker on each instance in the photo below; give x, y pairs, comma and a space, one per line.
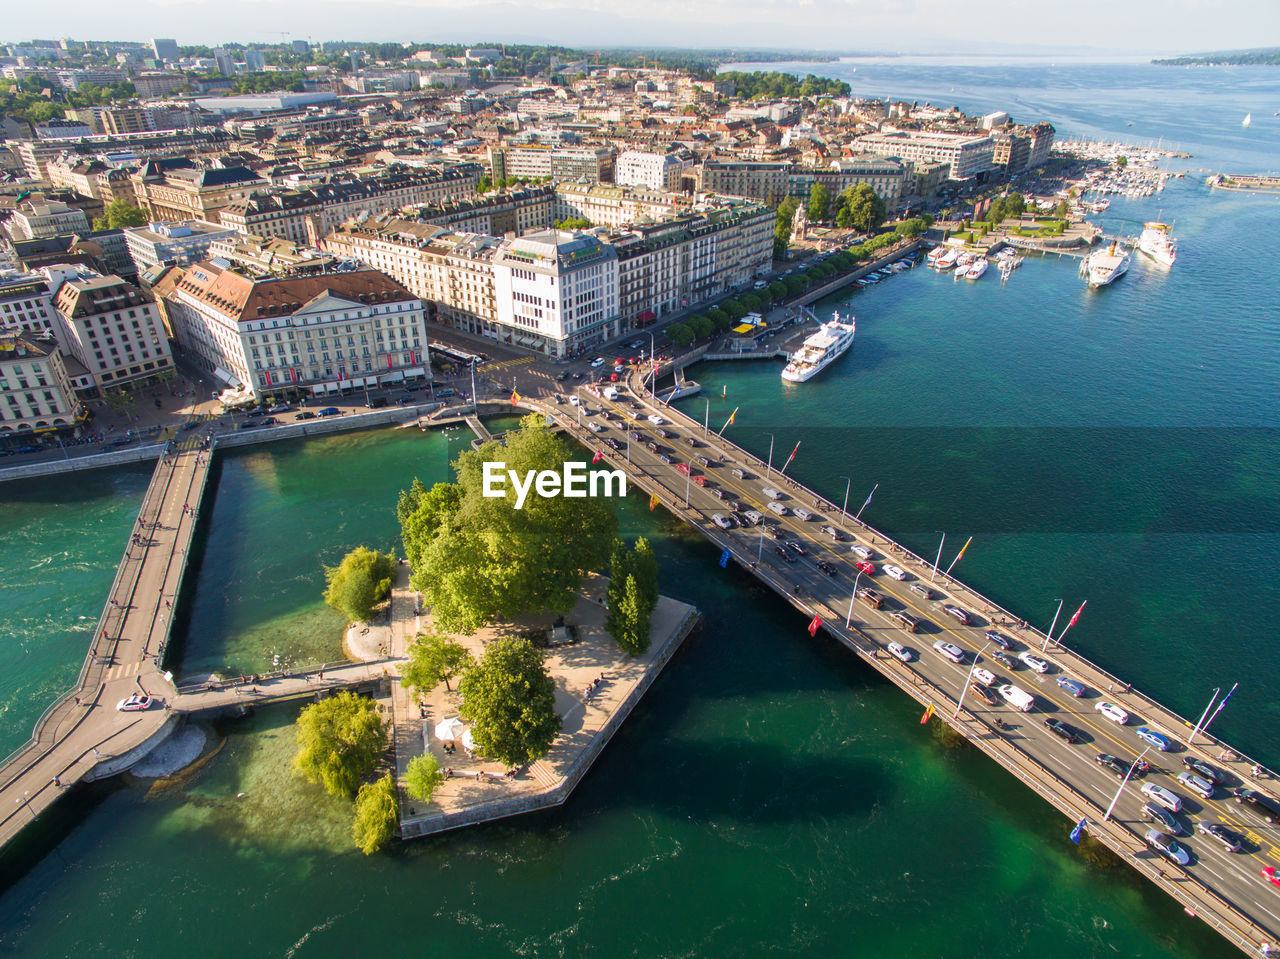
1049, 635
769, 466
965, 688
706, 420
760, 548
848, 619
939, 559
844, 510
1107, 815
653, 368
475, 400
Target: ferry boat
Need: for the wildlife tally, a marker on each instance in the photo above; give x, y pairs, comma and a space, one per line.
820, 350
1104, 267
976, 269
1156, 243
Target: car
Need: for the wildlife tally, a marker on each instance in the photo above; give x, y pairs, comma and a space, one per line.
665, 434
984, 676
1113, 713
717, 493
597, 362
304, 415
1202, 769
949, 651
1002, 641
921, 589
1034, 663
1260, 803
1153, 813
1153, 738
329, 411
444, 393
595, 427
613, 444
1073, 686
784, 554
722, 521
703, 461
1270, 874
868, 569
834, 533
665, 458
1005, 660
249, 425
794, 547
1059, 728
958, 613
895, 572
901, 652
826, 567
653, 447
281, 408
405, 401
1162, 797
751, 517
1166, 845
613, 377
635, 435
376, 403
859, 550
1230, 839
635, 344
683, 468
691, 441
135, 703
1117, 766
655, 419
802, 514
562, 376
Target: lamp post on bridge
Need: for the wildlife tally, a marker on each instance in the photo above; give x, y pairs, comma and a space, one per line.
844, 510
848, 619
1107, 815
964, 689
939, 559
1049, 635
769, 465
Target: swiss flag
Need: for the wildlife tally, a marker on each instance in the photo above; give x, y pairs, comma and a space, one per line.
598, 457
813, 626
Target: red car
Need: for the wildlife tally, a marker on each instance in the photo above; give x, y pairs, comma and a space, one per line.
699, 481
1270, 874
613, 378
683, 468
868, 568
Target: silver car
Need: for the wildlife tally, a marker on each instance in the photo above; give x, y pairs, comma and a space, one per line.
1166, 845
1200, 787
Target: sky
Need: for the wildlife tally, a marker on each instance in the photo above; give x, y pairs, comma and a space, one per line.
1138, 27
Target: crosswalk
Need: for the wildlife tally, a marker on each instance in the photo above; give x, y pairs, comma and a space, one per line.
508, 364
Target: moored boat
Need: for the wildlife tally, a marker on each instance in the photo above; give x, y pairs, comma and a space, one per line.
820, 350
1157, 243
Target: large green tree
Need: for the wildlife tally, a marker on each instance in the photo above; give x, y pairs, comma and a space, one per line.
477, 558
339, 741
357, 584
819, 203
510, 702
118, 215
782, 226
376, 815
434, 659
1015, 204
632, 595
866, 209
422, 776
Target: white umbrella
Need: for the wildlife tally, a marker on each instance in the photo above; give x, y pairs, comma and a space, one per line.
467, 742
448, 729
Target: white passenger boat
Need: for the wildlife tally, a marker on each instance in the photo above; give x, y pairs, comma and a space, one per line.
820, 350
1104, 267
1156, 243
976, 269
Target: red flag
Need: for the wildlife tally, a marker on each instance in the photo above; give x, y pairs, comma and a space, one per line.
1076, 616
813, 626
515, 398
789, 459
928, 714
598, 457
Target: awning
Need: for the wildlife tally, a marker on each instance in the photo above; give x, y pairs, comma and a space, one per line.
395, 377
744, 328
646, 316
416, 371
226, 377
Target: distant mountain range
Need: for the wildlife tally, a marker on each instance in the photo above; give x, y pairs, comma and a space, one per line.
1266, 56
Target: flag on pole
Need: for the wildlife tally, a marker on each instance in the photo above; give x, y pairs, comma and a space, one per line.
813, 626
728, 422
515, 398
1076, 616
962, 549
1221, 704
1078, 831
869, 495
928, 714
598, 457
789, 459
724, 559
653, 502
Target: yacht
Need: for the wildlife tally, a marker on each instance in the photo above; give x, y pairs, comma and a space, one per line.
1156, 243
1248, 118
947, 260
976, 269
1103, 267
820, 350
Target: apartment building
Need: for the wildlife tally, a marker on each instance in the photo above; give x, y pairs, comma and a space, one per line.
36, 396
112, 329
657, 171
35, 154
771, 181
36, 218
174, 244
178, 190
614, 206
538, 161
284, 336
26, 303
969, 155
514, 211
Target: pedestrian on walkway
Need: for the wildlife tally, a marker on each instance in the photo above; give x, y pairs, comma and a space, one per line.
57, 782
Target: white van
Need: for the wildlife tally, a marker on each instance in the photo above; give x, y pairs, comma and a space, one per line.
772, 493
776, 507
752, 517
1017, 698
610, 392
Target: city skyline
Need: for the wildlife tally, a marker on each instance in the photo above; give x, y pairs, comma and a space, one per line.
907, 26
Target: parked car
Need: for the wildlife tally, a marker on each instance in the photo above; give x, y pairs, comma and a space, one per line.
304, 415
1113, 713
1153, 738
1035, 663
1166, 845
1073, 686
329, 411
901, 652
1059, 728
135, 703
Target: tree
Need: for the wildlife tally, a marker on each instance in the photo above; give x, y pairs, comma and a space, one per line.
844, 218
866, 209
1015, 204
118, 215
424, 512
339, 741
680, 334
480, 559
777, 291
734, 309
573, 223
359, 582
434, 659
720, 318
702, 326
819, 202
1061, 210
632, 596
510, 702
422, 776
376, 815
782, 226
1122, 161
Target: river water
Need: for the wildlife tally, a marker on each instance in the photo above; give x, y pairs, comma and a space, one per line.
771, 795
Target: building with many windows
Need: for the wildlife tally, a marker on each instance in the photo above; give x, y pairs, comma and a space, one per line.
112, 329
179, 190
607, 204
285, 336
36, 218
771, 181
174, 244
657, 171
537, 161
969, 155
36, 396
26, 304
